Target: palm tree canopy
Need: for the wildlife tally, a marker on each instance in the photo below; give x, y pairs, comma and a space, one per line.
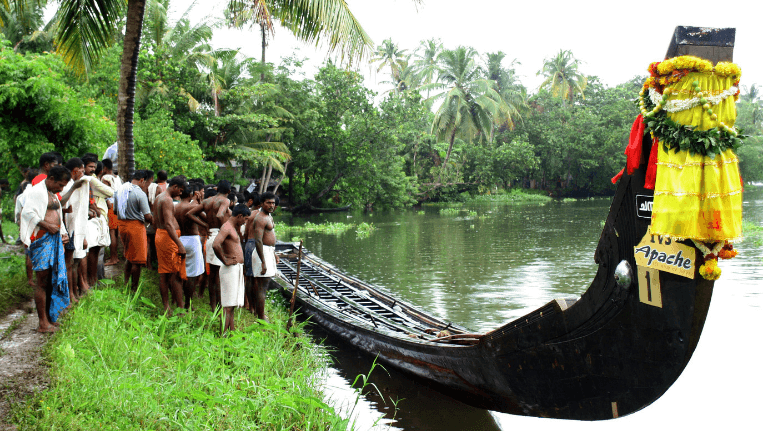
314, 21
562, 76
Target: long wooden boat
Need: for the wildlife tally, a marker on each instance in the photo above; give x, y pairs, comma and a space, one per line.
610, 352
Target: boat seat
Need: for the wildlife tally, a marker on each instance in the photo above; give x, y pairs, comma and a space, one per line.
565, 303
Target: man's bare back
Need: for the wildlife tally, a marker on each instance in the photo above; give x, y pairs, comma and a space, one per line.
216, 210
229, 245
187, 213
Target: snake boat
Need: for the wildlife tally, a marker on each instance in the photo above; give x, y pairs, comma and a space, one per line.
608, 353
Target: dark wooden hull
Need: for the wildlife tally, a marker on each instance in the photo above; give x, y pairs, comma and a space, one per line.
606, 355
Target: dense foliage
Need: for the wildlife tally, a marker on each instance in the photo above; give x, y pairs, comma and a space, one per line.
453, 120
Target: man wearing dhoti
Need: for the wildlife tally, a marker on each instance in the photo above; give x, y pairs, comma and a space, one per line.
43, 231
113, 181
170, 251
264, 257
187, 215
227, 248
216, 210
133, 211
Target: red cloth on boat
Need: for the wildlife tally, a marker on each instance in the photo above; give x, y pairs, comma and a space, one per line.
633, 150
617, 177
651, 170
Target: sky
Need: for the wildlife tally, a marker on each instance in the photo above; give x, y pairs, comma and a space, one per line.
613, 40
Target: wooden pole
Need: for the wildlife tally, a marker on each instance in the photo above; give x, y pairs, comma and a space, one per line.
296, 285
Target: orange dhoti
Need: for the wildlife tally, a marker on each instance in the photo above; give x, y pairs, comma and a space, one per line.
113, 220
133, 236
170, 261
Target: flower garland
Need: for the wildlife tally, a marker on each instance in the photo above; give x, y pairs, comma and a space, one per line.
676, 136
709, 269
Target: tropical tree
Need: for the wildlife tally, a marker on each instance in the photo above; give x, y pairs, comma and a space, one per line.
470, 103
562, 76
389, 54
24, 26
512, 92
424, 61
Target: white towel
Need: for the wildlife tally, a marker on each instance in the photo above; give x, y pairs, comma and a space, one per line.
269, 253
35, 207
77, 219
194, 258
211, 256
232, 285
122, 195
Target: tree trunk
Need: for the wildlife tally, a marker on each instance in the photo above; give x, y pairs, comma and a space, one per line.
267, 177
447, 155
262, 179
278, 183
264, 45
325, 191
127, 77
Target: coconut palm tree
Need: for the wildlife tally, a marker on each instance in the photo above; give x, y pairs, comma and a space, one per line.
512, 92
389, 54
470, 103
562, 76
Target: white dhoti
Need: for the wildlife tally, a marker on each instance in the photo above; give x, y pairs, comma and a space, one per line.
269, 253
211, 257
232, 285
194, 258
101, 226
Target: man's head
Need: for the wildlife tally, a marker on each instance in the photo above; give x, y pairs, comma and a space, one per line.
232, 199
91, 161
268, 201
176, 186
149, 177
47, 161
76, 166
239, 214
108, 166
186, 193
223, 187
4, 184
58, 177
140, 179
161, 176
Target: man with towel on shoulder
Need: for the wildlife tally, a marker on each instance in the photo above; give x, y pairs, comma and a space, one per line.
216, 210
227, 248
264, 258
187, 214
112, 180
42, 230
75, 201
170, 251
132, 210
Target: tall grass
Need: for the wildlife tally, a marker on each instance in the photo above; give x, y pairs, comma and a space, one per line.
514, 196
119, 364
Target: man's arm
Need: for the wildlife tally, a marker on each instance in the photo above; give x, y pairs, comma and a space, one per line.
192, 215
77, 184
259, 231
217, 246
222, 209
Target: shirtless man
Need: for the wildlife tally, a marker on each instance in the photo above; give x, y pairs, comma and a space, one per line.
42, 230
249, 248
170, 251
264, 260
187, 214
227, 248
215, 208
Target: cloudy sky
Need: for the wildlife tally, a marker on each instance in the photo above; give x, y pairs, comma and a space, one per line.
614, 40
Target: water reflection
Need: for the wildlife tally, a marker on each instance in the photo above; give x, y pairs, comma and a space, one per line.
509, 260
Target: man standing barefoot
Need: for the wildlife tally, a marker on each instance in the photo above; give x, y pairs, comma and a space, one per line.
216, 209
43, 231
187, 214
170, 251
264, 259
227, 248
133, 211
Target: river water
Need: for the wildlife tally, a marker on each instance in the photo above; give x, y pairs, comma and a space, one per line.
487, 264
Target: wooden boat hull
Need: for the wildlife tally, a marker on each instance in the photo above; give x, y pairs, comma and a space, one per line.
606, 355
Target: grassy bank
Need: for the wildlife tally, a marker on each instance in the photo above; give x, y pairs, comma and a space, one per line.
117, 363
13, 283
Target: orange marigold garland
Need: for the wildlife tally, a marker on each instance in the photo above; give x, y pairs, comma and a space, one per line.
724, 250
709, 270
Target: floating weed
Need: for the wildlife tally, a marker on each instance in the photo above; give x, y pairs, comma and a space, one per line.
421, 212
326, 227
449, 211
471, 214
752, 232
364, 230
513, 196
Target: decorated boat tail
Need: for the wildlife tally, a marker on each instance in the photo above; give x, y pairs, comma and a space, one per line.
620, 345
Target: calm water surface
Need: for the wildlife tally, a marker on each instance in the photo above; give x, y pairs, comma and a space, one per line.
491, 263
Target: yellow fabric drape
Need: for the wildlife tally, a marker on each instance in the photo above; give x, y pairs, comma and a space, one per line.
695, 196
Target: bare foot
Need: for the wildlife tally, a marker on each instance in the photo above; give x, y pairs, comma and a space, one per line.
47, 329
111, 263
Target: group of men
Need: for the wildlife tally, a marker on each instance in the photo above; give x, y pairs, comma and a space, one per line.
202, 236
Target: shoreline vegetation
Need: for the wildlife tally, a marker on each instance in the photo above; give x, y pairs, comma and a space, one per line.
117, 362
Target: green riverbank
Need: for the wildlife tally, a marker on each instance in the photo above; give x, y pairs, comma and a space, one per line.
116, 363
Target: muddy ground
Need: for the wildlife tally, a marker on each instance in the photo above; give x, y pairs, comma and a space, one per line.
23, 371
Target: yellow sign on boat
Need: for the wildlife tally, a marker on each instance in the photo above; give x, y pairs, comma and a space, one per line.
664, 254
